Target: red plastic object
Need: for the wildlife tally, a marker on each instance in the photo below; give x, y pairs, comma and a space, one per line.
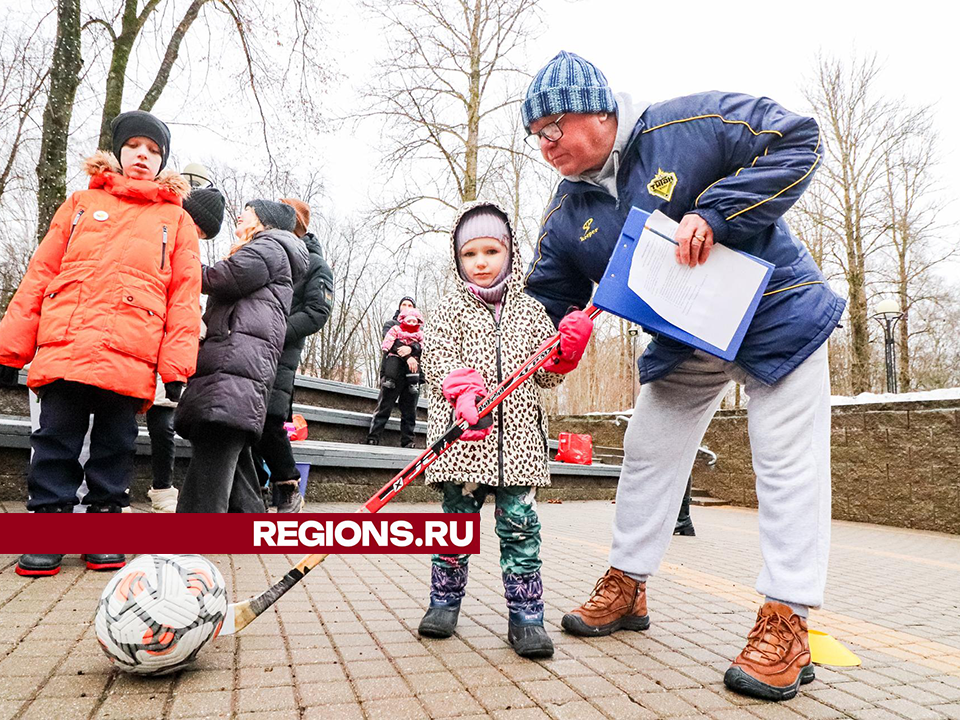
575, 448
296, 430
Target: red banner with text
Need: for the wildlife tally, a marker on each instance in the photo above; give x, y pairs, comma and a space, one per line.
208, 534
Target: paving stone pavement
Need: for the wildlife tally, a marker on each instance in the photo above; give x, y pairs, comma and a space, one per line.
343, 644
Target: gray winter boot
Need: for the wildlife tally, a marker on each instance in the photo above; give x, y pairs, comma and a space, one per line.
525, 631
289, 499
447, 587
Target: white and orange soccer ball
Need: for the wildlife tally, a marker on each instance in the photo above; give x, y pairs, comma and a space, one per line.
157, 612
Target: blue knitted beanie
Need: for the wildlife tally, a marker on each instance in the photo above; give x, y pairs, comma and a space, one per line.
568, 83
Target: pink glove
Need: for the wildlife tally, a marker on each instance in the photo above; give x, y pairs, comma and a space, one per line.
575, 329
461, 388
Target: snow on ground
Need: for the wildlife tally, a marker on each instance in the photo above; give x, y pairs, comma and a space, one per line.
861, 399
874, 398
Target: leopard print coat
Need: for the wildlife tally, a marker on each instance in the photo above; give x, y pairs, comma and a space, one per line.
462, 333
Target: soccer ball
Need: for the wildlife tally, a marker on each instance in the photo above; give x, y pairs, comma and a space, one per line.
157, 612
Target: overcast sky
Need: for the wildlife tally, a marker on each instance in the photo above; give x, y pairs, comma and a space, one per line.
658, 50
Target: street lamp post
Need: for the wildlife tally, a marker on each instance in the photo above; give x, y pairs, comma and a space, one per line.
632, 333
888, 314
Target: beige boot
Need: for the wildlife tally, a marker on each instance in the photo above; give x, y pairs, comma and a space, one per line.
163, 500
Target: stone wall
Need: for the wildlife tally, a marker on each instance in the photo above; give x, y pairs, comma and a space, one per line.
893, 463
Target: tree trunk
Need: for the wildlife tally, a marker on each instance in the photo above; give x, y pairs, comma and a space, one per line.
903, 332
64, 78
170, 56
119, 59
857, 301
473, 111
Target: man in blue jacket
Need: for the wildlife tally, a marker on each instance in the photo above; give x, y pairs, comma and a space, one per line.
726, 167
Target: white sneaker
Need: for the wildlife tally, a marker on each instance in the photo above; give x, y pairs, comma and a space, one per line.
163, 500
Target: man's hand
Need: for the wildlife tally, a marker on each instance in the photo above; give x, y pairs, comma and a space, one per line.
574, 329
694, 240
403, 351
413, 365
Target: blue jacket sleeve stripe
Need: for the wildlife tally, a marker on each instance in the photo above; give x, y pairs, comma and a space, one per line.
712, 117
816, 162
776, 151
539, 257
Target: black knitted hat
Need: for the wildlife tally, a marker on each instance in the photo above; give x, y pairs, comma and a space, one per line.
206, 206
396, 315
274, 214
137, 123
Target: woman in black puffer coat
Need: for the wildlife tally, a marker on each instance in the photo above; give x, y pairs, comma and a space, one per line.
223, 408
312, 303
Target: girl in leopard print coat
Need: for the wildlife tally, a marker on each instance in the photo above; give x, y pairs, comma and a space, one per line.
484, 329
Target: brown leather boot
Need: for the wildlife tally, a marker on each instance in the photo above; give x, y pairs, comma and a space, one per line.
618, 602
776, 660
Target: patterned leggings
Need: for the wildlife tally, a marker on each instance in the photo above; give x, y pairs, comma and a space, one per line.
517, 524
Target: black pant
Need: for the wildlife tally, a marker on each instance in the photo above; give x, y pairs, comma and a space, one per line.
395, 367
221, 476
406, 395
274, 447
163, 447
55, 471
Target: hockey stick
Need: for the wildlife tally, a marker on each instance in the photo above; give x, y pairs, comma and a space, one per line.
241, 614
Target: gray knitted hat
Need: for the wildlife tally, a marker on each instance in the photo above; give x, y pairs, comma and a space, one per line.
484, 221
274, 214
567, 84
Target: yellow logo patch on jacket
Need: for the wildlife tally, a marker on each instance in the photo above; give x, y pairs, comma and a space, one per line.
663, 184
588, 230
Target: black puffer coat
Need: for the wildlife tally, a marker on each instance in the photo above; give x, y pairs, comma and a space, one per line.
250, 295
312, 304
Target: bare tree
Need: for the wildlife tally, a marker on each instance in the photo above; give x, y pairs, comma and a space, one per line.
23, 74
132, 21
348, 347
522, 184
449, 73
859, 130
603, 381
913, 205
64, 78
934, 342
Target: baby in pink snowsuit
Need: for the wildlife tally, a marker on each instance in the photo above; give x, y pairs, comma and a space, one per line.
408, 333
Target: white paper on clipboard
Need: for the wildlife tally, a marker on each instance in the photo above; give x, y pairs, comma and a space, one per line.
709, 300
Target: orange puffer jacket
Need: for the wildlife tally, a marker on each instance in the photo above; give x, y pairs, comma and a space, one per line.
112, 295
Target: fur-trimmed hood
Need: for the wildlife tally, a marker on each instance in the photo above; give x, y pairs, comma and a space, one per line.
104, 171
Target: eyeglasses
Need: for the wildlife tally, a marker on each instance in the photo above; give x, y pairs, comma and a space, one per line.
550, 132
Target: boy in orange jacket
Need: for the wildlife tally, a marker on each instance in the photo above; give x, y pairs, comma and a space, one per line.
110, 299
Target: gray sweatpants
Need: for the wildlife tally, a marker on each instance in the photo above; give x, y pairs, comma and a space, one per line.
789, 428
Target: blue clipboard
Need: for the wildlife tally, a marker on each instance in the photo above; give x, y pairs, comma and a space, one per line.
614, 295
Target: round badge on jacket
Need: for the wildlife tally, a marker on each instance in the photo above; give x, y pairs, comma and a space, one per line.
100, 215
